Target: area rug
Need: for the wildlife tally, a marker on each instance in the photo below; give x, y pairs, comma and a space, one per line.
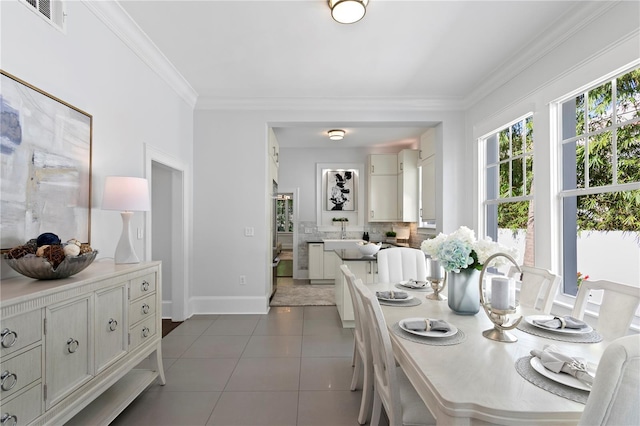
304, 295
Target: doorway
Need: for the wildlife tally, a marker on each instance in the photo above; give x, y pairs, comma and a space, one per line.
166, 230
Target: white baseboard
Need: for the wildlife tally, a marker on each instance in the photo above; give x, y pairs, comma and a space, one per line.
228, 305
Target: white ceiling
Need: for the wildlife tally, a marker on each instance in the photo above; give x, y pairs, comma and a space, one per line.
402, 51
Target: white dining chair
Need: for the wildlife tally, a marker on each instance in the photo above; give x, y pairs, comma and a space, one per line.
619, 304
401, 264
538, 288
392, 388
362, 359
613, 399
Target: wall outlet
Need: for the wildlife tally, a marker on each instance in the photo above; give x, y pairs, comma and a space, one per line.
140, 233
243, 279
308, 231
248, 231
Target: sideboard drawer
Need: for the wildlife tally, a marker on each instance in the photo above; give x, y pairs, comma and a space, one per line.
142, 308
20, 331
142, 332
143, 285
20, 371
25, 407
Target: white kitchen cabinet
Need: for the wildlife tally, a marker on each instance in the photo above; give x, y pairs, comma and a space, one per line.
408, 185
428, 195
321, 263
383, 198
367, 271
70, 346
316, 261
427, 145
383, 164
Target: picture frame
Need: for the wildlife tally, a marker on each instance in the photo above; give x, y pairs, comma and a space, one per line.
340, 190
45, 150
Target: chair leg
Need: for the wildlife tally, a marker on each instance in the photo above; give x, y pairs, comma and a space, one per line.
376, 413
356, 373
367, 397
355, 353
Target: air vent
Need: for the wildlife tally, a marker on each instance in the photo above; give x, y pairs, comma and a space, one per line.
50, 10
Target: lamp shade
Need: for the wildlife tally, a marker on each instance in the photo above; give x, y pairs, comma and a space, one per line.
126, 194
348, 11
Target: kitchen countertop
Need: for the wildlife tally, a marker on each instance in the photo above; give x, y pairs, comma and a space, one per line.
353, 255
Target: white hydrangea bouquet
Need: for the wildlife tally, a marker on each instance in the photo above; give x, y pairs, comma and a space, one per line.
461, 250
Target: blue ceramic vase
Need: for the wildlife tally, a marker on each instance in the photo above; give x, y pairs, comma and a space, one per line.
464, 291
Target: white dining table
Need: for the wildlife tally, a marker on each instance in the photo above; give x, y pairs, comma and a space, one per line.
475, 381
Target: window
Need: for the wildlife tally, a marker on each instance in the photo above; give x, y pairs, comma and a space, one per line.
600, 182
508, 203
284, 213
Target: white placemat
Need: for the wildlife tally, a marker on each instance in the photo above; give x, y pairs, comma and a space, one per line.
459, 337
524, 368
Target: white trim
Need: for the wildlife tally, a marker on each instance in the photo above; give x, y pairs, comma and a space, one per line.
181, 279
205, 305
126, 29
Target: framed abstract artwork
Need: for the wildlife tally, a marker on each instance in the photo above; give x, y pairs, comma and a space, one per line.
45, 147
340, 192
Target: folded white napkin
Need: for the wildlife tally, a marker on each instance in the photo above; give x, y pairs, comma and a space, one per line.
427, 324
566, 321
413, 283
558, 362
392, 294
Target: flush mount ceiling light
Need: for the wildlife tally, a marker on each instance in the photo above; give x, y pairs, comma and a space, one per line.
336, 135
348, 11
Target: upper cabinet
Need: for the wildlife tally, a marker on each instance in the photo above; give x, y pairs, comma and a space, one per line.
408, 185
383, 187
393, 187
427, 145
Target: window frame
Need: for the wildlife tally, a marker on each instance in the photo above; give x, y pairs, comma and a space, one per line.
557, 141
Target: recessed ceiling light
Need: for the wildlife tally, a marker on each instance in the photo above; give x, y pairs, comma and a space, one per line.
336, 135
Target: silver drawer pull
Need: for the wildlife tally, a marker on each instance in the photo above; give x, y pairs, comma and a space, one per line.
9, 338
8, 420
113, 324
144, 286
145, 308
72, 345
8, 380
145, 332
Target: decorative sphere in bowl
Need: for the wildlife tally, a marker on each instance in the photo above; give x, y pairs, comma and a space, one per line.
368, 249
40, 268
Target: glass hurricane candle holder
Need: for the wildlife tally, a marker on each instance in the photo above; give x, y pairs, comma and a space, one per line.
437, 280
500, 305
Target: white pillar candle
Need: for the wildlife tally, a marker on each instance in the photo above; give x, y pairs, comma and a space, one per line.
500, 293
436, 270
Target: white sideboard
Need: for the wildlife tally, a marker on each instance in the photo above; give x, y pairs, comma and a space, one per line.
69, 348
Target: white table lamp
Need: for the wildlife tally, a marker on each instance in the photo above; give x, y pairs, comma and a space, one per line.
128, 195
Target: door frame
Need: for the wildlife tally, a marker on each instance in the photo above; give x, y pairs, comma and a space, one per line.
180, 229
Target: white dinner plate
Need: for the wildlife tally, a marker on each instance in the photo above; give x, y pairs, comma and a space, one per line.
531, 318
562, 378
411, 285
436, 334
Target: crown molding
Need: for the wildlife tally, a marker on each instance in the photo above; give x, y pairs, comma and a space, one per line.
558, 32
126, 29
332, 104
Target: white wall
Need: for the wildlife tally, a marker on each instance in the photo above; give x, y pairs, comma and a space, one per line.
92, 69
231, 192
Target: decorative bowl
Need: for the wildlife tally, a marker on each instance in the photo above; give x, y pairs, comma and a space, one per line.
368, 249
39, 268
